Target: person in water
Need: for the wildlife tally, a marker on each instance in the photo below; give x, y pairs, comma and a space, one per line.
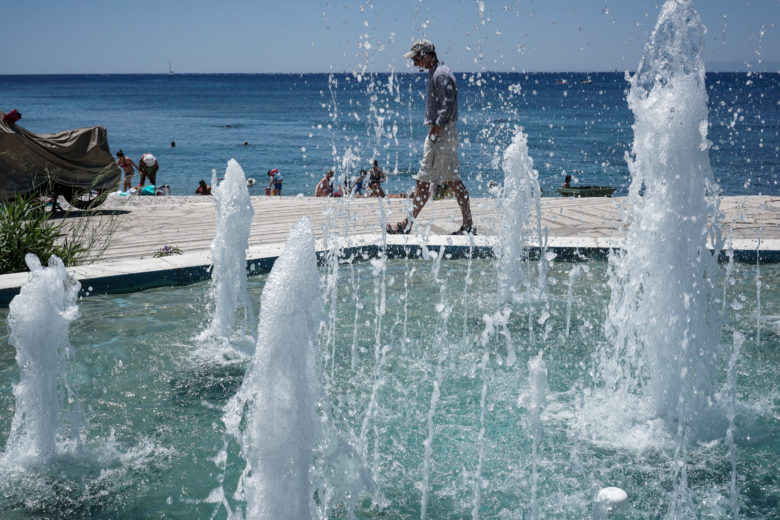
127, 166
203, 188
440, 164
567, 182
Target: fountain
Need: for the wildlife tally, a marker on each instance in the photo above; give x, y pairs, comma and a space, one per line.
663, 329
233, 312
277, 398
537, 382
521, 199
46, 420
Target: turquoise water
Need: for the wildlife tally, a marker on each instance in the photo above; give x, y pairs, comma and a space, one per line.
303, 124
152, 400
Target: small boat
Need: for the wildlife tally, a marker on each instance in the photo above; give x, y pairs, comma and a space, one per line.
586, 81
170, 69
587, 191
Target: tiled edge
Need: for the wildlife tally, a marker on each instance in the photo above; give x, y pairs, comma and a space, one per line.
135, 275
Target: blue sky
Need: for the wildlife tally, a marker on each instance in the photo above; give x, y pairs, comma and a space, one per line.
143, 36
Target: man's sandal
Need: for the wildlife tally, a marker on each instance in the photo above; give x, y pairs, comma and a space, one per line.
398, 229
463, 230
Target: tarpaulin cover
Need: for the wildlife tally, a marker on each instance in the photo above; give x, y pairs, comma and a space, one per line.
74, 159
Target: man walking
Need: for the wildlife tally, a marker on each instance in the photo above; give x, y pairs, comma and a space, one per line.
440, 164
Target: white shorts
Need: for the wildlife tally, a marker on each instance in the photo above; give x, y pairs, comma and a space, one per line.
440, 163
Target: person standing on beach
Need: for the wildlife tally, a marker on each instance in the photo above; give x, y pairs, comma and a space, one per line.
276, 180
356, 188
128, 166
440, 164
376, 178
147, 166
325, 186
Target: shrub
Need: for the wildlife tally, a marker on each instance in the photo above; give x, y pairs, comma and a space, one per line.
26, 227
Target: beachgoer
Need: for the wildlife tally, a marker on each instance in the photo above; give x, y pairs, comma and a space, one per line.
203, 188
128, 166
567, 182
276, 180
375, 180
440, 164
147, 166
357, 183
325, 186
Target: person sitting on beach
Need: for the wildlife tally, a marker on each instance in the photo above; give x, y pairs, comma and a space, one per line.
567, 182
276, 180
357, 183
375, 180
147, 166
127, 165
203, 188
325, 186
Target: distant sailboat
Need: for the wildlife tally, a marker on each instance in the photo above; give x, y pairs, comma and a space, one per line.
170, 68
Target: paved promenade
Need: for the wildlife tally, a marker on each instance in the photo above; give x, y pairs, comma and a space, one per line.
145, 224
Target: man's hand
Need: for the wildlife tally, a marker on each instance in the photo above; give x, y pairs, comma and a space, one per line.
433, 133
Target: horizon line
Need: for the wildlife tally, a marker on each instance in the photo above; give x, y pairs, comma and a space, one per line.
611, 71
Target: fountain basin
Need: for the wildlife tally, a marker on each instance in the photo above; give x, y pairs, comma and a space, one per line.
153, 398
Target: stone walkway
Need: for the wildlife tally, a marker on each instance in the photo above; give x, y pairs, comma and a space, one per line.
145, 224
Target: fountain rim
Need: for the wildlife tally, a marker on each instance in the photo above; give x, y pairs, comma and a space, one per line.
137, 275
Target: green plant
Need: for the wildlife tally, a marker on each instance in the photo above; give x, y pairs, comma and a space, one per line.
26, 227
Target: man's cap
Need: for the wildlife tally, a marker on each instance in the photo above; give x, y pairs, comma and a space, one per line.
149, 159
420, 47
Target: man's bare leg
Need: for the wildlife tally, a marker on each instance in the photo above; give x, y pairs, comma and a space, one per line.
462, 196
419, 198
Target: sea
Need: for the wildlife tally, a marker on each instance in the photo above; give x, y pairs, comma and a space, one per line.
304, 124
